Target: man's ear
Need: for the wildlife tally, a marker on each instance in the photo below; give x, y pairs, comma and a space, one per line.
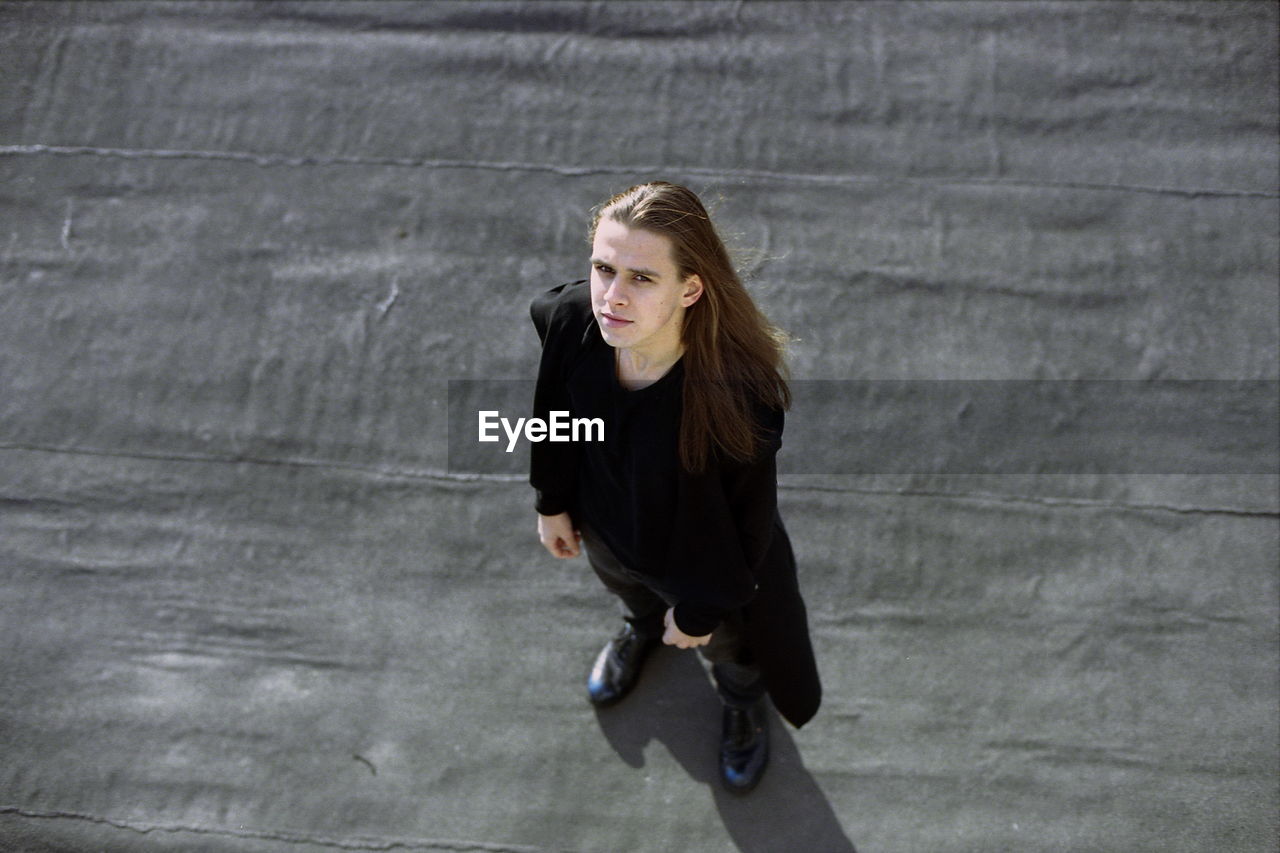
692, 290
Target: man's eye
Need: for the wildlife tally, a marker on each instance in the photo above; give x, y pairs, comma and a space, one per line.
604, 269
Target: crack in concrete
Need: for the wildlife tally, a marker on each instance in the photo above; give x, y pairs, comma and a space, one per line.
267, 160
385, 305
369, 844
65, 237
475, 477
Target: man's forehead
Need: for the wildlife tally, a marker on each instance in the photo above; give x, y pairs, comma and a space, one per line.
636, 249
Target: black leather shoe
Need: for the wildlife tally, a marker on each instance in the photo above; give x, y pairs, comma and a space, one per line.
618, 666
744, 747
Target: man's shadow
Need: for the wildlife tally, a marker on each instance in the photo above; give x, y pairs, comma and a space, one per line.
675, 704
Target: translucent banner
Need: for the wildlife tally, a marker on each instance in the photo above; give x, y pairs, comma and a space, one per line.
943, 427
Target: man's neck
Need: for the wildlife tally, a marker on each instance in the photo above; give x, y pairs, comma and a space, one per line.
637, 369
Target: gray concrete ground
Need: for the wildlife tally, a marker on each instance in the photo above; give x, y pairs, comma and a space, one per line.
248, 604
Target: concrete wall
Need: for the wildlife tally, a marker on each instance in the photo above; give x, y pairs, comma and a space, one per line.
244, 246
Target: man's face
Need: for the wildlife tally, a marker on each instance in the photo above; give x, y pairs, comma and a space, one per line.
637, 295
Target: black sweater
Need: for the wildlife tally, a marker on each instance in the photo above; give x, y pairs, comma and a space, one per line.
702, 537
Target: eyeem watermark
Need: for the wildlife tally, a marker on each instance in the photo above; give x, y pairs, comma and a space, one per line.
560, 427
936, 427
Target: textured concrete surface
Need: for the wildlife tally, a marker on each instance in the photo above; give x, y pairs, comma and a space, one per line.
247, 603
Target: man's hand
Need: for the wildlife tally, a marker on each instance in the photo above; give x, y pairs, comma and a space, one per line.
558, 535
675, 637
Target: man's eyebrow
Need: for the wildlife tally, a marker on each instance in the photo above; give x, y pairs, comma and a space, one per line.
643, 272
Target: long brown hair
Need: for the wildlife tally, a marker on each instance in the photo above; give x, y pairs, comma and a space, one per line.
733, 356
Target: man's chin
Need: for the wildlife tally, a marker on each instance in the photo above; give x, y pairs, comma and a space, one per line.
611, 336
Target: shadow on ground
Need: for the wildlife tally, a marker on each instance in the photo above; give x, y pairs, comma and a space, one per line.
676, 705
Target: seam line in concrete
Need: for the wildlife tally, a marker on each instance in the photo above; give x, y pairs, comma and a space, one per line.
367, 844
473, 477
1043, 500
266, 160
227, 459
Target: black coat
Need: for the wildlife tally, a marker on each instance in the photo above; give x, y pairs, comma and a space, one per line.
726, 548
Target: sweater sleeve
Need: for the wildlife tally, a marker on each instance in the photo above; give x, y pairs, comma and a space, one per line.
751, 494
553, 466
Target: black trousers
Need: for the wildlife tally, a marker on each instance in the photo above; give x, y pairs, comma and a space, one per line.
644, 602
